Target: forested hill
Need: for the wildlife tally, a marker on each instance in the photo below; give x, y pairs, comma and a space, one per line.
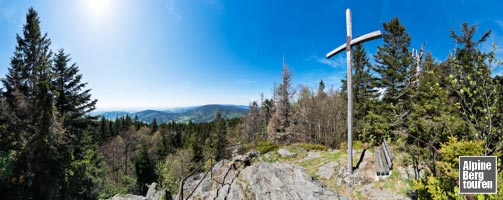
196, 114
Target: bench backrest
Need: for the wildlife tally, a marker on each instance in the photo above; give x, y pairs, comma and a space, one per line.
385, 145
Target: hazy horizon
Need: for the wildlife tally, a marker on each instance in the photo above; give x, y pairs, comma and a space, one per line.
137, 109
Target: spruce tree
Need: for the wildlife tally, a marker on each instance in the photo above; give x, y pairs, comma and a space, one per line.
283, 102
393, 66
73, 100
364, 90
104, 129
393, 61
35, 133
144, 169
73, 103
154, 127
219, 137
364, 83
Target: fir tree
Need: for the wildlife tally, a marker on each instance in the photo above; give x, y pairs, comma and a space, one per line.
36, 135
220, 137
393, 61
154, 127
73, 100
144, 169
393, 66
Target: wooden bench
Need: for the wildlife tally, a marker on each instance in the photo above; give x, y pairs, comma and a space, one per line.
383, 160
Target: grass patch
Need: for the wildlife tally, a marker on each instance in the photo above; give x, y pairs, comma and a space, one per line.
266, 146
262, 146
311, 147
312, 165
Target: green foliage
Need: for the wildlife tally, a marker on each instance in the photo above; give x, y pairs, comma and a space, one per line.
443, 184
313, 147
208, 164
6, 164
220, 138
173, 169
266, 146
145, 170
393, 67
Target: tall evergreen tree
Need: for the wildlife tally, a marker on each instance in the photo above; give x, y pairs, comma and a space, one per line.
73, 103
73, 100
283, 104
144, 169
364, 83
393, 61
393, 66
364, 91
220, 137
154, 127
39, 139
104, 129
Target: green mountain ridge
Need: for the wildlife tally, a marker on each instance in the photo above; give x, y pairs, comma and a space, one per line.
197, 114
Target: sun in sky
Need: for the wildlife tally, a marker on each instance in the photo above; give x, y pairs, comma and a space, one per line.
97, 7
169, 53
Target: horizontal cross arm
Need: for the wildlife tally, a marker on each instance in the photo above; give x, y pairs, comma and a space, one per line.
358, 40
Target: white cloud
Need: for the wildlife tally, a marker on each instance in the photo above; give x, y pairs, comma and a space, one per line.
337, 62
245, 81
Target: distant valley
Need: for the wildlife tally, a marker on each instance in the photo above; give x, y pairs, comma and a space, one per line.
195, 114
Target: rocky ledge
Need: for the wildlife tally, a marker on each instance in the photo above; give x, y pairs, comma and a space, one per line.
259, 181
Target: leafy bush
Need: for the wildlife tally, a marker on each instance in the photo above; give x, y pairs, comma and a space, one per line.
266, 146
357, 144
6, 163
170, 170
443, 184
309, 146
208, 164
110, 189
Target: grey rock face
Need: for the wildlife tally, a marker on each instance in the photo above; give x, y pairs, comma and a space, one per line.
264, 181
128, 197
152, 194
285, 153
327, 171
311, 155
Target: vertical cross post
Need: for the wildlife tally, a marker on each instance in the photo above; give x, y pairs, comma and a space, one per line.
349, 84
347, 47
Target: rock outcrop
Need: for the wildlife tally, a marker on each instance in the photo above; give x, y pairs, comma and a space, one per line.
260, 181
152, 194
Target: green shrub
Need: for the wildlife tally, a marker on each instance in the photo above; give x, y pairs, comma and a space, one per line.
357, 144
208, 164
443, 184
343, 146
266, 146
309, 146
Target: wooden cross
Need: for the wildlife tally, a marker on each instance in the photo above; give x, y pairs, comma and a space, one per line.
350, 42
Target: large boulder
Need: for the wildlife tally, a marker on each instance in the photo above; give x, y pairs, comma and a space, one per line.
128, 197
152, 194
327, 171
263, 181
285, 153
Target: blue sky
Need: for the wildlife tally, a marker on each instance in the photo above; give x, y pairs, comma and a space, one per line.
157, 54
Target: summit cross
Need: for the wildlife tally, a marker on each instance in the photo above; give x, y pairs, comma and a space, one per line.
347, 46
